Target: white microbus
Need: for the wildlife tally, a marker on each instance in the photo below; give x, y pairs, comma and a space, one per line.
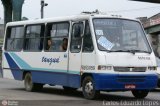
95, 52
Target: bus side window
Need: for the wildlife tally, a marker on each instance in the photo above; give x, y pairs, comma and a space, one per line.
87, 40
76, 39
14, 38
57, 37
34, 37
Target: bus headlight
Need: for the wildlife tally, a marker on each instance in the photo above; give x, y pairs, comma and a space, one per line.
103, 67
152, 68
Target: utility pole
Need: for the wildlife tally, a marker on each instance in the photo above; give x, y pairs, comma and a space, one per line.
43, 4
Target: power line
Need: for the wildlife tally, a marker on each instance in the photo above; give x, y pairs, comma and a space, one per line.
129, 10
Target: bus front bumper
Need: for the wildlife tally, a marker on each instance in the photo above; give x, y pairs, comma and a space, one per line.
118, 82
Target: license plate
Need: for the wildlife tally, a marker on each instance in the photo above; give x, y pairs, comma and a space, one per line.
130, 86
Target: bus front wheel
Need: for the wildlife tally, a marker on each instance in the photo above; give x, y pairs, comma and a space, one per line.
140, 94
29, 85
88, 88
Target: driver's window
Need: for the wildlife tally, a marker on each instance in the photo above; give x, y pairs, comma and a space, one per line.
76, 39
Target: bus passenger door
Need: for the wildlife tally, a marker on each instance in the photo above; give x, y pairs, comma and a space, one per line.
75, 54
88, 52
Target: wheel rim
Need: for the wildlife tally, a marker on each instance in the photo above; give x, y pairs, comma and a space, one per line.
89, 88
28, 83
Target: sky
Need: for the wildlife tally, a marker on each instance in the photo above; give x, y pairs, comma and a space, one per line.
56, 8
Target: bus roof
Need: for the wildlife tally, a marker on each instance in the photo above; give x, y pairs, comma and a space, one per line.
64, 18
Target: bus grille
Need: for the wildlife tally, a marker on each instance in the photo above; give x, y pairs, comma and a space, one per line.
130, 69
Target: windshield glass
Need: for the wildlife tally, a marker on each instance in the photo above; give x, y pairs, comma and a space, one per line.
120, 35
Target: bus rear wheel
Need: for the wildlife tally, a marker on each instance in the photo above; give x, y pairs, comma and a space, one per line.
140, 94
88, 88
29, 85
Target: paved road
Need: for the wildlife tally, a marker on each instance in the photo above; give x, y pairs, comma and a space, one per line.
55, 96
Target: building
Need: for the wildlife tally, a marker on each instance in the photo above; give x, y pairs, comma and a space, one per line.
152, 28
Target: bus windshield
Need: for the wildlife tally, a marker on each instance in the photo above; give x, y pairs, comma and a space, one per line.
120, 35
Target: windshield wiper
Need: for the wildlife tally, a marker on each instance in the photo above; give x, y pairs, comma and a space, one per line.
123, 51
118, 51
142, 51
131, 51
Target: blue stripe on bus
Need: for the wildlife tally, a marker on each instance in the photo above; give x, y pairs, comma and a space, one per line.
14, 67
11, 61
71, 80
21, 62
118, 81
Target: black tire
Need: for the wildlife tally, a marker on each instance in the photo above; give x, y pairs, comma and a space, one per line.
88, 88
140, 94
29, 85
69, 88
